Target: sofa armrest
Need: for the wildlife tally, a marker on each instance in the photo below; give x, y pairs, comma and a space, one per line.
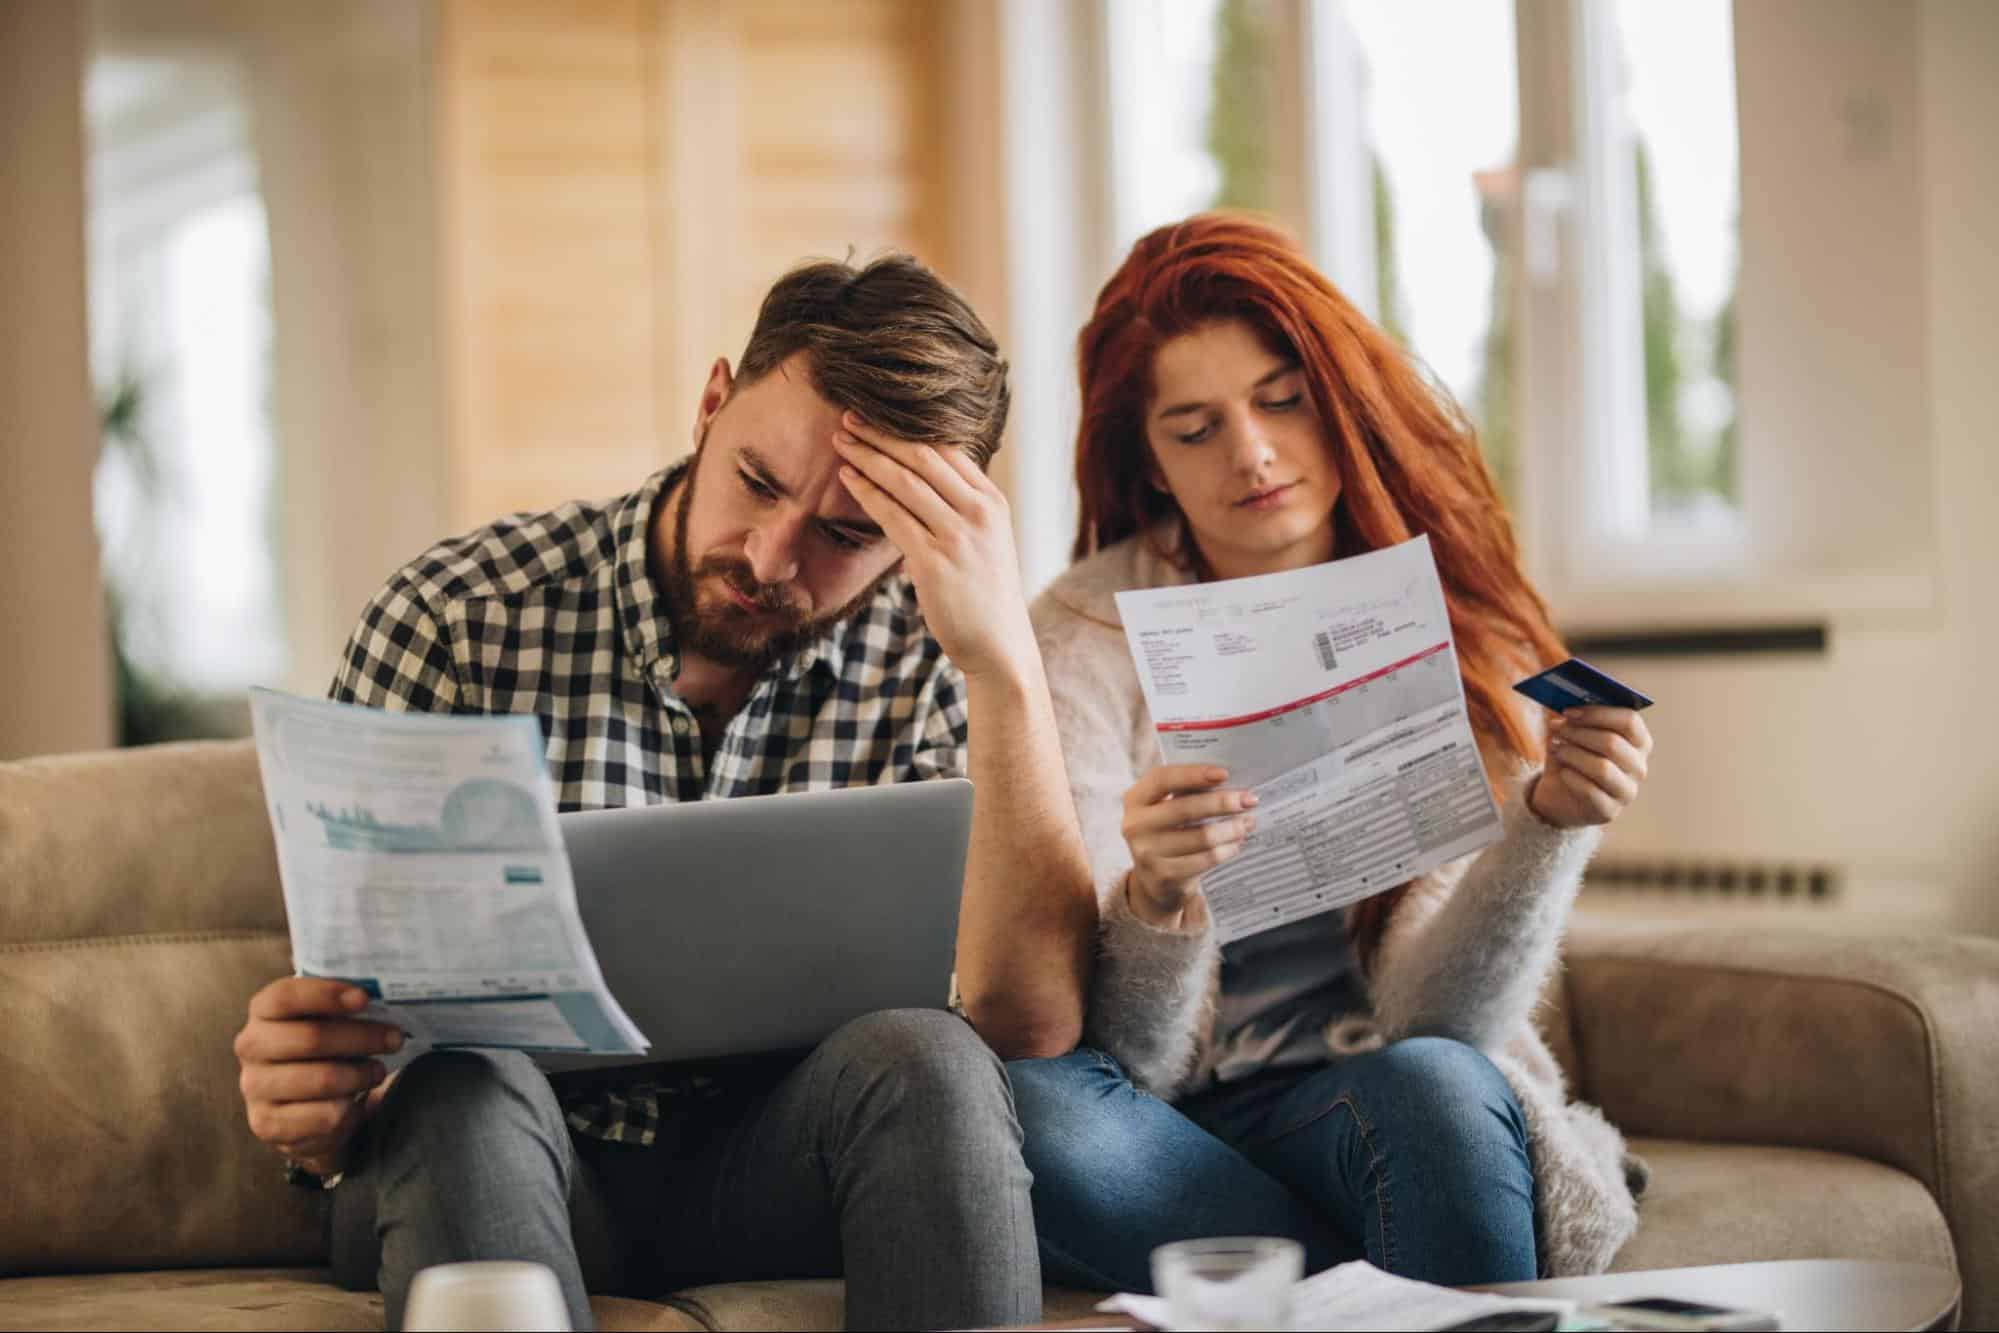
1885, 1048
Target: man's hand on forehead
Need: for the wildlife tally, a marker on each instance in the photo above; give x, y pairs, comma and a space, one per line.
955, 532
914, 454
920, 479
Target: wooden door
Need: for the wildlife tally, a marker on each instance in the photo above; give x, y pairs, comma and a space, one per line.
621, 180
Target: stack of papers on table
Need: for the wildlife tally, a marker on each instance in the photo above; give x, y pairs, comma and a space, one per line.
1360, 1296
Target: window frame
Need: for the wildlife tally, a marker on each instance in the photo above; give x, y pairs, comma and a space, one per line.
1580, 500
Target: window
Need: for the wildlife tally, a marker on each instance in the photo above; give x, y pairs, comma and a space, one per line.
1420, 186
1667, 257
1196, 111
1415, 141
1657, 165
180, 297
1540, 199
1688, 194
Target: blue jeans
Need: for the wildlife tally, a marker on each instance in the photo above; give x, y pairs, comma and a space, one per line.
1413, 1157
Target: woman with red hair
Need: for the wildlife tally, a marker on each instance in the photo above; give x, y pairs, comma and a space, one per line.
1367, 1082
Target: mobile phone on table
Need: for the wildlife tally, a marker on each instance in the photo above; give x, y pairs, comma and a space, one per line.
1509, 1321
1665, 1313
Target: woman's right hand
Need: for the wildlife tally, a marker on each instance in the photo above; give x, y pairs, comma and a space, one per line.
1171, 846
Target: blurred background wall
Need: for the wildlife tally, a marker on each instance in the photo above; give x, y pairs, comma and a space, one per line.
54, 669
291, 290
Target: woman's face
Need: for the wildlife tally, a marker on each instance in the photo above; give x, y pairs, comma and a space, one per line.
1236, 440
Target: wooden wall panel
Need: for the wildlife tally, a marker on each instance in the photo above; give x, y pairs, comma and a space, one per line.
622, 181
796, 129
547, 122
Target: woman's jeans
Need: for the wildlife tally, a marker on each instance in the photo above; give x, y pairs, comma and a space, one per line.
1413, 1157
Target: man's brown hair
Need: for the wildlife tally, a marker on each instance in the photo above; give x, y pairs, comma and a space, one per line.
891, 342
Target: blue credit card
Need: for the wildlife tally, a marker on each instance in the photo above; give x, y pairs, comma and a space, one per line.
1574, 683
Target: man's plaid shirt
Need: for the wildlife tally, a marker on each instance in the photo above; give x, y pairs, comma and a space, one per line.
555, 614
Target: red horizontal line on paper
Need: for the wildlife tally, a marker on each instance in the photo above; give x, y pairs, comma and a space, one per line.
1217, 724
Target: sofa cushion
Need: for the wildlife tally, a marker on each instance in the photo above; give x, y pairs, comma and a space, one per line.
1721, 1203
139, 909
163, 838
812, 1307
240, 1298
1734, 1080
126, 1144
228, 1298
277, 1298
1708, 1203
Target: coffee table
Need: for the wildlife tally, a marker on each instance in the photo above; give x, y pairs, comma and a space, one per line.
1803, 1293
1831, 1294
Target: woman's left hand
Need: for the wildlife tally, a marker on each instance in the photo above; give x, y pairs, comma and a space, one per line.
1597, 759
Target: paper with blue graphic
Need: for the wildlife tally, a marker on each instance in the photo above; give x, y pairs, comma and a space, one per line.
421, 860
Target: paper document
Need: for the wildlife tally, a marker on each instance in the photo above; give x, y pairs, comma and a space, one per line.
1333, 693
422, 862
1358, 1295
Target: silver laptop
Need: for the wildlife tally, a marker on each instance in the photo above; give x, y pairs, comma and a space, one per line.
762, 923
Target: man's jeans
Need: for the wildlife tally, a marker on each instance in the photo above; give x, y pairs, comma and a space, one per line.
890, 1155
1413, 1157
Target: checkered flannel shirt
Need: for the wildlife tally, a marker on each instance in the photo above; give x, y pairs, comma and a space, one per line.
555, 614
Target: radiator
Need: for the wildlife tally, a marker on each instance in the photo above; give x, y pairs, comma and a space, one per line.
1720, 879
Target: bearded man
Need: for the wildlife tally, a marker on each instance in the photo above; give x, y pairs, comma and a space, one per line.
825, 594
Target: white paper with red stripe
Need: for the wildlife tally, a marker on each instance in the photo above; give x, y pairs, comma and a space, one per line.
1333, 691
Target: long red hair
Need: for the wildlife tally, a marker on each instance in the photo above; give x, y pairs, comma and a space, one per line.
1407, 456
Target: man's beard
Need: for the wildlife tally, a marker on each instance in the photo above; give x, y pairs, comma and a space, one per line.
723, 632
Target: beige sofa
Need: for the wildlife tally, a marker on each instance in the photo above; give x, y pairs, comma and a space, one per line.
1797, 1096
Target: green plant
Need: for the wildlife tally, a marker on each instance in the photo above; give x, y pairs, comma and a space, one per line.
150, 710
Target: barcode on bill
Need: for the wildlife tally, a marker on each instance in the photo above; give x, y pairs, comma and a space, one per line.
1324, 640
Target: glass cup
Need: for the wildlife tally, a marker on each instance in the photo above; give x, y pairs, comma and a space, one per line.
503, 1296
1228, 1282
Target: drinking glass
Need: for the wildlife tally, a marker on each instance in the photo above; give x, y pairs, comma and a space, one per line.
504, 1296
1228, 1282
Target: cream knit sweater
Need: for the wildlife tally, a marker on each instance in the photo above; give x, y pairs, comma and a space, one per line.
1465, 954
